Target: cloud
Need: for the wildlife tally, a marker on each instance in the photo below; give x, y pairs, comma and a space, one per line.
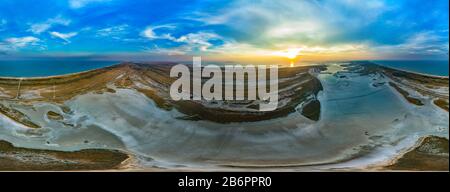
150, 33
63, 36
77, 4
198, 41
189, 43
420, 43
262, 27
114, 32
20, 42
182, 50
39, 28
257, 27
14, 44
308, 23
201, 40
233, 48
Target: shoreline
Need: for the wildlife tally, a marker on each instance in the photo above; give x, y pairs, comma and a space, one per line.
412, 72
121, 63
59, 76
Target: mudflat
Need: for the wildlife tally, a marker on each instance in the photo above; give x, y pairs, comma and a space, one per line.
153, 80
114, 98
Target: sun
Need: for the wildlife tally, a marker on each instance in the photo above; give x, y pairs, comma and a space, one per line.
291, 54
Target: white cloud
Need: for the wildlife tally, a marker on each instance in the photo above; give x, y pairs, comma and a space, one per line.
77, 4
291, 29
190, 42
20, 42
14, 43
200, 40
113, 32
39, 28
63, 36
150, 33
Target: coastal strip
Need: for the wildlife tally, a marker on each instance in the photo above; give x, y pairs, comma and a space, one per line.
23, 159
431, 154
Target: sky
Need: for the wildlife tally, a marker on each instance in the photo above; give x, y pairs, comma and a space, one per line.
225, 30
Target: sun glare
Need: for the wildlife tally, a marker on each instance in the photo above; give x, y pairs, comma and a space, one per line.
289, 53
292, 64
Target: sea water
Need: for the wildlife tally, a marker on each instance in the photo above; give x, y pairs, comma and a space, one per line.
436, 67
44, 68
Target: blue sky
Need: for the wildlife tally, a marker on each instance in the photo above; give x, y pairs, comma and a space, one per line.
224, 30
